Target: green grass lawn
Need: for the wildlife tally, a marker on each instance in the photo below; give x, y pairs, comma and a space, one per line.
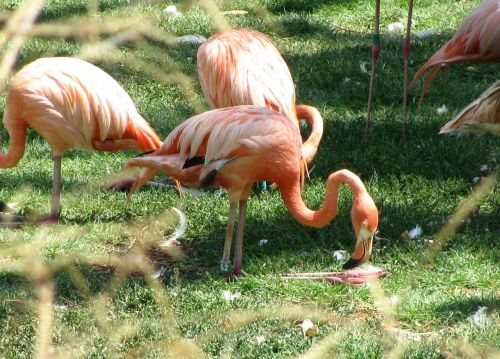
425, 303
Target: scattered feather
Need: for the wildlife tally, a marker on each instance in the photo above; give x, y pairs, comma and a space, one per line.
181, 228
235, 12
190, 40
172, 11
340, 255
395, 26
479, 317
412, 233
9, 207
415, 232
263, 242
171, 245
476, 180
309, 329
441, 110
362, 67
483, 168
60, 307
346, 80
394, 299
425, 34
259, 339
228, 296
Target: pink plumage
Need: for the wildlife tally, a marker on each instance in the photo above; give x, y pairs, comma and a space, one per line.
236, 146
244, 67
72, 104
476, 40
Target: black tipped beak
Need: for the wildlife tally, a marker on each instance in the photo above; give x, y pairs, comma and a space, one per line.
352, 263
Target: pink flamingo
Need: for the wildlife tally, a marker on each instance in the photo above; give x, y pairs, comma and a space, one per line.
72, 104
244, 67
476, 40
234, 147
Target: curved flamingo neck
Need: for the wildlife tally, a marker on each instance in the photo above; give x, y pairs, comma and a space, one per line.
16, 149
298, 209
312, 115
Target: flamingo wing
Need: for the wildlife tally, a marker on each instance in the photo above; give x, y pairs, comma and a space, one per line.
244, 67
209, 141
72, 103
482, 115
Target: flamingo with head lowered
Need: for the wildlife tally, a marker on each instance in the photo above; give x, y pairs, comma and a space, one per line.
72, 104
234, 147
244, 67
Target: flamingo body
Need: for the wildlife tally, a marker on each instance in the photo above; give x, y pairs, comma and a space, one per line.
244, 67
482, 115
72, 104
476, 40
236, 146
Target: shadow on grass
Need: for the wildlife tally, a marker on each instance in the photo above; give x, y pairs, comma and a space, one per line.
457, 310
298, 6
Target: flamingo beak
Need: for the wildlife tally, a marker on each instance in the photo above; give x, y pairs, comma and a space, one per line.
363, 248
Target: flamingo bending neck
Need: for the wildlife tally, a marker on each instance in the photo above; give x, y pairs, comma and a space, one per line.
310, 146
328, 211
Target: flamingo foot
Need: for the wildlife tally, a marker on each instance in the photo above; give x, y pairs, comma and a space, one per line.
357, 277
232, 277
49, 220
230, 274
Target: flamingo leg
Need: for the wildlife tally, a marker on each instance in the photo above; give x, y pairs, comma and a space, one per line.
56, 189
375, 53
406, 54
225, 264
238, 249
55, 207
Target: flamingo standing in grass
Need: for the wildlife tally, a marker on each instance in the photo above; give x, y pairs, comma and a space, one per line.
476, 40
72, 104
244, 67
234, 147
482, 115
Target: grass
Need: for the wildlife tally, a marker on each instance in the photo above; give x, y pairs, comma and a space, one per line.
101, 311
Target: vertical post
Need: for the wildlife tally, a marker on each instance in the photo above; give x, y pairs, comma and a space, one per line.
375, 53
406, 55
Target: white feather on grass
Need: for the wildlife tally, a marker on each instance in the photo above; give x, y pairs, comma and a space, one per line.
171, 245
395, 26
172, 11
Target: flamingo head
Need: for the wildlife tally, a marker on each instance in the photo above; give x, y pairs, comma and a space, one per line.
364, 217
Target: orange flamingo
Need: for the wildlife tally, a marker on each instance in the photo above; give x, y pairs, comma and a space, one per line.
244, 67
72, 104
482, 115
234, 147
476, 40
